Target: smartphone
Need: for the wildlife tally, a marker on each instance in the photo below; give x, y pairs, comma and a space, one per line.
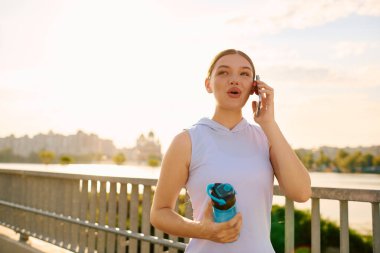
259, 94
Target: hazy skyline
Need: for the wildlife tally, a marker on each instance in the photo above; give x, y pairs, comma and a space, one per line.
121, 68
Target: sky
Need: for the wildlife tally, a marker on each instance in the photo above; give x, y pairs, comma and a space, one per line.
122, 68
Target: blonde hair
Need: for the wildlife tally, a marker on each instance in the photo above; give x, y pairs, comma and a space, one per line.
227, 52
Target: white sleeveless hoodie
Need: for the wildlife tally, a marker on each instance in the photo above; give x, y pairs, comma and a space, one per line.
239, 157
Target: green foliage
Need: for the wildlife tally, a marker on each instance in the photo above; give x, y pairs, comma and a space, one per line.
342, 162
65, 159
366, 160
303, 250
307, 158
330, 237
376, 160
154, 161
119, 159
323, 160
7, 156
46, 156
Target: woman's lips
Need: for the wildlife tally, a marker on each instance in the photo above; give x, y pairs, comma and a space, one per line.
234, 92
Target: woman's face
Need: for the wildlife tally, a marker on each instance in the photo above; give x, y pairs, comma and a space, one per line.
231, 82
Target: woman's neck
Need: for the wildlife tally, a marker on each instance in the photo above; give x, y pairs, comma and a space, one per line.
227, 118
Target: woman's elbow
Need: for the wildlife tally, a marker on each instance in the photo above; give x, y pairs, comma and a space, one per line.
303, 195
154, 217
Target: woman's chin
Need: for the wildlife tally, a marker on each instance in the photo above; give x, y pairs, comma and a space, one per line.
231, 108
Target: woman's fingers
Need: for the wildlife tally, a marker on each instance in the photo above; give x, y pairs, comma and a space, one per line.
232, 227
254, 106
267, 93
228, 231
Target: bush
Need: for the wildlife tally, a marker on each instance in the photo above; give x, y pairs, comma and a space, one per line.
330, 237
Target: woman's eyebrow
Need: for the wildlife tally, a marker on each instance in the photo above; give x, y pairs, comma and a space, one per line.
247, 68
223, 66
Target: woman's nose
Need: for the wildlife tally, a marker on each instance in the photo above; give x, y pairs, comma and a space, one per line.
234, 80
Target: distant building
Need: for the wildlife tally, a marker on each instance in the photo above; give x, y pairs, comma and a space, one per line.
78, 144
82, 144
146, 147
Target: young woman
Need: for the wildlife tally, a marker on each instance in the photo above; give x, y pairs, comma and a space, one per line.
227, 149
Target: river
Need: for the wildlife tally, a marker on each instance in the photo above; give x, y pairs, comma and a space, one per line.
360, 216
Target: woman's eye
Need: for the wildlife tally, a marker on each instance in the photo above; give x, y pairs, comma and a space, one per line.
245, 74
222, 73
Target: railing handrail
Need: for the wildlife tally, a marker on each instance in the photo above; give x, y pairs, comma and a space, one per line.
65, 175
349, 194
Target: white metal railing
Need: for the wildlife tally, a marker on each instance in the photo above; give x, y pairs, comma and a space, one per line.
111, 214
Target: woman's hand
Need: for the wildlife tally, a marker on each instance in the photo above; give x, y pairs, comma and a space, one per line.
266, 114
223, 232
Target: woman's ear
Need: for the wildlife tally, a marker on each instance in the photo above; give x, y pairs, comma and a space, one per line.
208, 85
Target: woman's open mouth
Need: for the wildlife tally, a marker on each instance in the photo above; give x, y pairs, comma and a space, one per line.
234, 92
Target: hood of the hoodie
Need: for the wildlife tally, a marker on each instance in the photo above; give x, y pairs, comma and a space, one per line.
215, 126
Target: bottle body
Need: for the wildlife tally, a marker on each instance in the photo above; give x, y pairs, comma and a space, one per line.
224, 215
223, 201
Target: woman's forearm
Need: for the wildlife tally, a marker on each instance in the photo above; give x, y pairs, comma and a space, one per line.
167, 220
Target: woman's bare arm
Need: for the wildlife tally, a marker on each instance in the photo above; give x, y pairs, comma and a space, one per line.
292, 176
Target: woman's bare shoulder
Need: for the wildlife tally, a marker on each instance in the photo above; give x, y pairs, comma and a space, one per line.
182, 140
181, 146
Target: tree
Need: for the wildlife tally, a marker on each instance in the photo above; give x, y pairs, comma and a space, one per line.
302, 233
46, 156
119, 159
340, 159
153, 161
366, 160
353, 161
376, 160
306, 157
6, 155
323, 160
65, 159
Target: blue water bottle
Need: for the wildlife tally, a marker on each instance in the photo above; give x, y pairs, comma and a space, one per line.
223, 201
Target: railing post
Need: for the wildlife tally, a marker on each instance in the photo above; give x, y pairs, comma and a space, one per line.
23, 237
91, 232
51, 207
315, 226
111, 217
75, 203
145, 223
83, 234
45, 206
344, 235
67, 196
289, 226
134, 217
122, 215
59, 207
101, 242
376, 227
